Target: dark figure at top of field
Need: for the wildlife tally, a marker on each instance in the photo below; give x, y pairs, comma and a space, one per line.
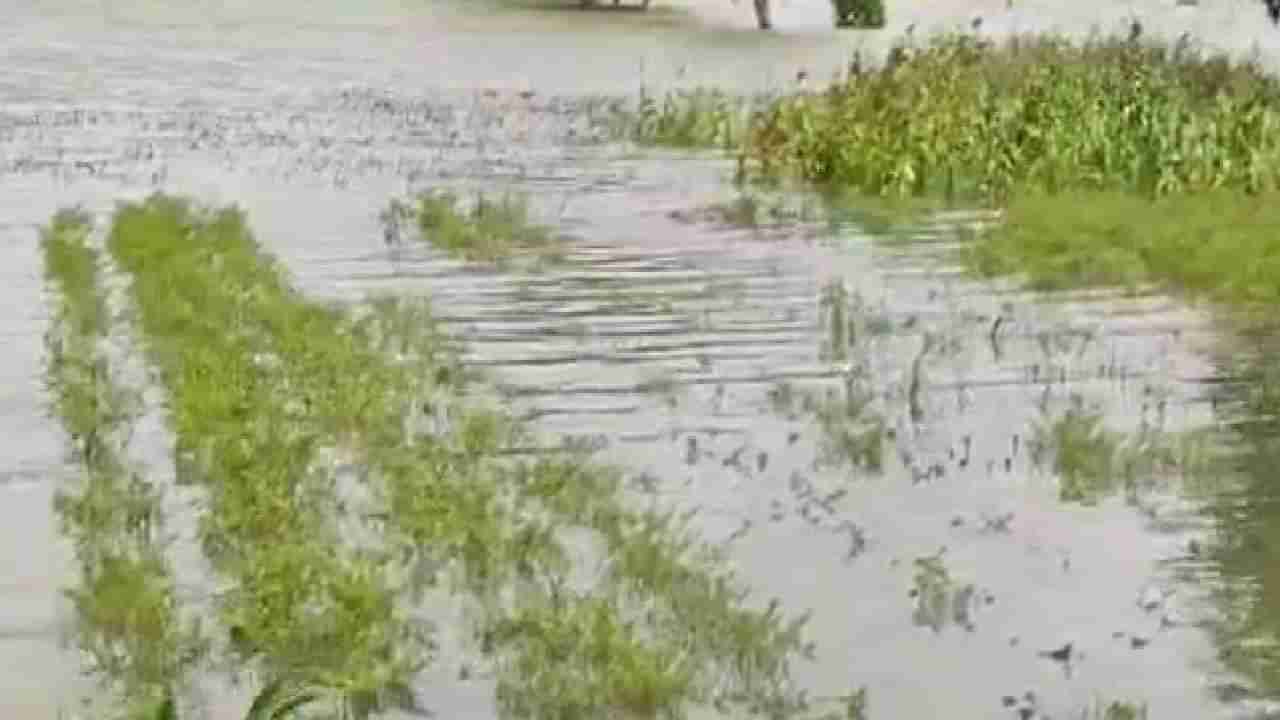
848, 13
1273, 10
762, 14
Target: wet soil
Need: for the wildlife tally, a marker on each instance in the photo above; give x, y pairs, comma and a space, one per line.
682, 349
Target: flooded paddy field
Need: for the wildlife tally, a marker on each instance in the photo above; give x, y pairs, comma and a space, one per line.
991, 502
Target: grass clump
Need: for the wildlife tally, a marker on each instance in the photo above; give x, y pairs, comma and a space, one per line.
1222, 245
1092, 461
127, 611
1083, 452
968, 118
271, 384
489, 231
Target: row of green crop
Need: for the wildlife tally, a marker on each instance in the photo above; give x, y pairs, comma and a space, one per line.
305, 606
264, 382
128, 620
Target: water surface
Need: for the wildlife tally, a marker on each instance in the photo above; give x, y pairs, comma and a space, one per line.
684, 349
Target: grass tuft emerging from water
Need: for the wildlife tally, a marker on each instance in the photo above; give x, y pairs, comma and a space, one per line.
489, 230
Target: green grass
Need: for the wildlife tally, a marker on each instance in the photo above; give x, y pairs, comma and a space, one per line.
127, 613
264, 384
488, 231
1222, 246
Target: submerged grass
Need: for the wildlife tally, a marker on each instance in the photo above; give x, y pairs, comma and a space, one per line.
265, 383
128, 623
1092, 461
488, 231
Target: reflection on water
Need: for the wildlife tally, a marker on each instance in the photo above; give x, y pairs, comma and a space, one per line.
1240, 566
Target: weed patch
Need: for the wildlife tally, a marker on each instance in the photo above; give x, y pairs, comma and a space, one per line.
489, 231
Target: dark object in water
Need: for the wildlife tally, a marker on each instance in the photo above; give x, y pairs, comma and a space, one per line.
762, 14
1062, 654
691, 451
1273, 10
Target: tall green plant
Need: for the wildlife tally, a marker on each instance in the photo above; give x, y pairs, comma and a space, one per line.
962, 117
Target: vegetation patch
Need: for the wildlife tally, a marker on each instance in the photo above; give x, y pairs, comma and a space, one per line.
1092, 461
348, 480
1221, 245
960, 117
490, 230
699, 118
127, 614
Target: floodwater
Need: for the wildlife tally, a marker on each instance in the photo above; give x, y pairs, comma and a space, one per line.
700, 357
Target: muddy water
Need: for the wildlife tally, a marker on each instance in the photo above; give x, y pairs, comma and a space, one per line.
667, 343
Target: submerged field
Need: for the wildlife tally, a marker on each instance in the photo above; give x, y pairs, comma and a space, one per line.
365, 403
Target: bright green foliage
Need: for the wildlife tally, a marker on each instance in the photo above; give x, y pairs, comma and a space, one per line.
1222, 245
960, 117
